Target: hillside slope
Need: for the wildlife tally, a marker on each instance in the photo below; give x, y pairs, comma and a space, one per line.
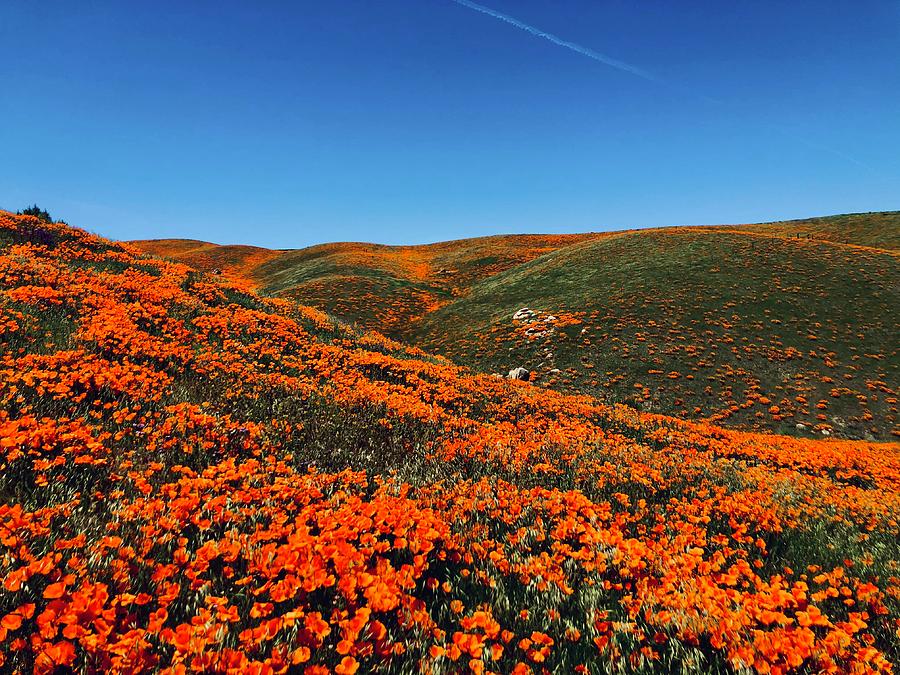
786, 327
878, 229
196, 477
758, 331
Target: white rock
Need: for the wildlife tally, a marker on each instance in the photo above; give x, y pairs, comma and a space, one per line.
523, 314
519, 374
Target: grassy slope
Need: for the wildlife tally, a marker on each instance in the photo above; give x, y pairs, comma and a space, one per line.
699, 324
662, 332
878, 229
195, 476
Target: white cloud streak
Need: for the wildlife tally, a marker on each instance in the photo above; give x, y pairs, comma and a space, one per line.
537, 32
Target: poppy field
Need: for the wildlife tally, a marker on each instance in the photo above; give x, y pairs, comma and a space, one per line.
195, 477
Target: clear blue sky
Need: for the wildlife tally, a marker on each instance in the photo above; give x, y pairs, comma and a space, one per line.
404, 121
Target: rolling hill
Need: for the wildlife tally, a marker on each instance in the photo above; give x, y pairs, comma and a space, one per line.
788, 327
197, 477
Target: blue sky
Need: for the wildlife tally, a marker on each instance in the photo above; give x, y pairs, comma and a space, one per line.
285, 124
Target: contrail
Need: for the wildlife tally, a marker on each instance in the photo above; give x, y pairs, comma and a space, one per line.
639, 72
537, 32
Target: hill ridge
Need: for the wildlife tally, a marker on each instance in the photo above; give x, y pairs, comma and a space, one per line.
736, 226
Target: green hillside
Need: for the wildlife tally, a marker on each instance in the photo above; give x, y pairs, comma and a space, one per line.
758, 332
878, 229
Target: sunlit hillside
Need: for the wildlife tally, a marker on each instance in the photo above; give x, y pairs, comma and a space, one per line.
787, 327
197, 477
